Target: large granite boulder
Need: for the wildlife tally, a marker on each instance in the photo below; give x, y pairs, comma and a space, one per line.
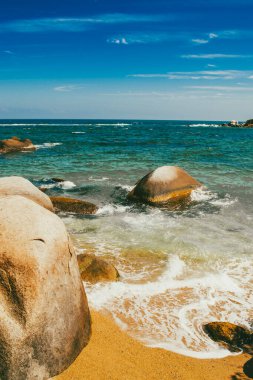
164, 184
249, 123
21, 186
72, 205
15, 144
93, 269
44, 316
230, 335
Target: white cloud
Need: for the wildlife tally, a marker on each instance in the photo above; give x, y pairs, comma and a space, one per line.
118, 41
213, 35
145, 38
214, 56
200, 41
211, 65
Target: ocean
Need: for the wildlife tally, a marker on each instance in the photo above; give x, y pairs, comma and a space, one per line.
179, 269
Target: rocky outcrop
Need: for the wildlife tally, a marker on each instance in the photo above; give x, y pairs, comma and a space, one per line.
14, 144
93, 269
21, 186
232, 336
249, 123
44, 316
235, 124
73, 205
165, 184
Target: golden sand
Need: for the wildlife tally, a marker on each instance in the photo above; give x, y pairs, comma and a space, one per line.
113, 355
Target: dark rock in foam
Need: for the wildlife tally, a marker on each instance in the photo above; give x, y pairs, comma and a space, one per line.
73, 205
230, 335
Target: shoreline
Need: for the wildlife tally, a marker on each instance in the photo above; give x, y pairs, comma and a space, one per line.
113, 354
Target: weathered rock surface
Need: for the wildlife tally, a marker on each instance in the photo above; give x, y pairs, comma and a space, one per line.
167, 183
44, 316
231, 335
73, 205
14, 144
21, 186
94, 269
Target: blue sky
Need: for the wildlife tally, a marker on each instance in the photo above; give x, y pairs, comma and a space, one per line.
159, 59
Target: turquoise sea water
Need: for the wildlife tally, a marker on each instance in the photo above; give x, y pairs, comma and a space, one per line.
178, 269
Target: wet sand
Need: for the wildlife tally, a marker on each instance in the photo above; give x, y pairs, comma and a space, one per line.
113, 355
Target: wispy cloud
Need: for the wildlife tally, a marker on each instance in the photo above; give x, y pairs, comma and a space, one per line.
68, 88
76, 24
8, 52
214, 56
200, 75
221, 88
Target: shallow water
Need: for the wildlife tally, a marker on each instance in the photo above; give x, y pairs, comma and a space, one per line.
179, 269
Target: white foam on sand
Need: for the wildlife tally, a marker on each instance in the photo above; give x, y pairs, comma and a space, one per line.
171, 311
164, 173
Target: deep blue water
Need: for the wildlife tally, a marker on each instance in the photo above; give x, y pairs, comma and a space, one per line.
178, 269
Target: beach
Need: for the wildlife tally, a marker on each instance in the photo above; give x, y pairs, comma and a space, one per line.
112, 354
179, 268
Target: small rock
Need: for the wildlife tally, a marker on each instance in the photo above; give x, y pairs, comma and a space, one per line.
231, 335
73, 205
165, 184
15, 144
93, 269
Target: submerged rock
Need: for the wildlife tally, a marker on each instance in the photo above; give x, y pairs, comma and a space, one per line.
94, 269
44, 315
21, 186
231, 335
73, 205
14, 144
164, 184
56, 179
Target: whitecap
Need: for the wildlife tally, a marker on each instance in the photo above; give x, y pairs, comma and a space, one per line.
98, 179
112, 209
205, 125
65, 185
47, 145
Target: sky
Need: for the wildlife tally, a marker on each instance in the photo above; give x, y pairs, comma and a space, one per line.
133, 59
